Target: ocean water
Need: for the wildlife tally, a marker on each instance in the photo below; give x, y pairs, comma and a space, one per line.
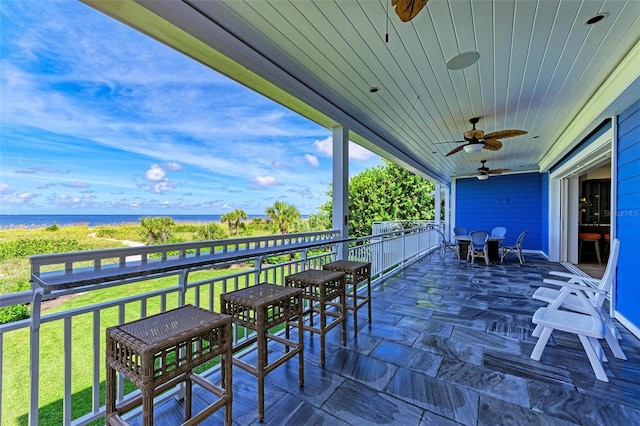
8, 221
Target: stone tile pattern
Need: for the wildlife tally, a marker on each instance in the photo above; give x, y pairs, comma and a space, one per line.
449, 345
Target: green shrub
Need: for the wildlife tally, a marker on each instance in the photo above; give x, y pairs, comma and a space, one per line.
13, 313
23, 248
53, 227
212, 231
105, 232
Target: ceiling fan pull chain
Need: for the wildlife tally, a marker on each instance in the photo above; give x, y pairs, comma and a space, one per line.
386, 36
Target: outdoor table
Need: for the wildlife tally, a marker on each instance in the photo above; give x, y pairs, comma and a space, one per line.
493, 246
158, 352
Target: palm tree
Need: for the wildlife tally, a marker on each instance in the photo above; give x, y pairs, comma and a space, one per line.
283, 215
238, 215
229, 220
149, 228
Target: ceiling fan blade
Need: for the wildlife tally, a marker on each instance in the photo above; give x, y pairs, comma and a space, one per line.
502, 134
408, 9
498, 171
454, 150
439, 143
492, 144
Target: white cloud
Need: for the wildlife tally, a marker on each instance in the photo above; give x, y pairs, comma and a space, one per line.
155, 173
325, 146
160, 187
312, 160
356, 152
173, 166
265, 181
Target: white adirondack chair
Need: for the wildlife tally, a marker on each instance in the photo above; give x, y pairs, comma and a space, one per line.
596, 298
588, 326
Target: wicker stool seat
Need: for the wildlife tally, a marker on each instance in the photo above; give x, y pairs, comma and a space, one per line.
160, 351
319, 289
260, 308
356, 273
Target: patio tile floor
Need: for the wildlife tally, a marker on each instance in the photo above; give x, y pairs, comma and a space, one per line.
449, 344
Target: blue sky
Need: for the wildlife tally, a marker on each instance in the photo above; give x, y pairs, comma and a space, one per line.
97, 118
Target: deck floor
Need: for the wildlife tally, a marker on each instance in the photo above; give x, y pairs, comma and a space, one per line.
449, 344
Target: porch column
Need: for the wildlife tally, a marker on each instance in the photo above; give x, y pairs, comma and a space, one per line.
437, 200
447, 212
341, 187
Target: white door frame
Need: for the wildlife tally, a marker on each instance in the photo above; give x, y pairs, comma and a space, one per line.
563, 198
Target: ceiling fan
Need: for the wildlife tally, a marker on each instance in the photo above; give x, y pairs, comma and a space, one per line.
476, 140
408, 9
483, 172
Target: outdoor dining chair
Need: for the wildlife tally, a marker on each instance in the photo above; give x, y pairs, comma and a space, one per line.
516, 248
446, 245
460, 231
478, 246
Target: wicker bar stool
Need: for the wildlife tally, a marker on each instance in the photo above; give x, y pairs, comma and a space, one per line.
319, 289
356, 273
160, 351
260, 308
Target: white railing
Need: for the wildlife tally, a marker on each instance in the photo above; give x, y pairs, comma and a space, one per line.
135, 270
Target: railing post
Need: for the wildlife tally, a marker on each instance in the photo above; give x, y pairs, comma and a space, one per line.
34, 360
257, 269
183, 281
381, 263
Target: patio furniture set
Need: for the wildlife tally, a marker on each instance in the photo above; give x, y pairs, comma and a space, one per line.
160, 351
486, 245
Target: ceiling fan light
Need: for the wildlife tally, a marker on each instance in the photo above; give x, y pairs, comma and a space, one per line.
474, 147
482, 177
463, 60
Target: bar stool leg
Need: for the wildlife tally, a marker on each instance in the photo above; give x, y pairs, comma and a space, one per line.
369, 301
262, 362
580, 242
343, 312
110, 391
354, 293
300, 353
323, 325
147, 407
597, 244
187, 396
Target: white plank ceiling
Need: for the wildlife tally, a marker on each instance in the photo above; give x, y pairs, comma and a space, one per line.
539, 66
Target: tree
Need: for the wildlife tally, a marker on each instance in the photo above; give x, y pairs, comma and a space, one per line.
157, 228
238, 215
284, 216
229, 220
148, 227
386, 192
233, 220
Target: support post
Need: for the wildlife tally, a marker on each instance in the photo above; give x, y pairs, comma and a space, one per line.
340, 217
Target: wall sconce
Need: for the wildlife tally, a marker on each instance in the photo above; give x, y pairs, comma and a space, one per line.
583, 204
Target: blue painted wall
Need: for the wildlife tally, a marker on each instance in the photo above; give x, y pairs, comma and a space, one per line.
628, 213
513, 201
